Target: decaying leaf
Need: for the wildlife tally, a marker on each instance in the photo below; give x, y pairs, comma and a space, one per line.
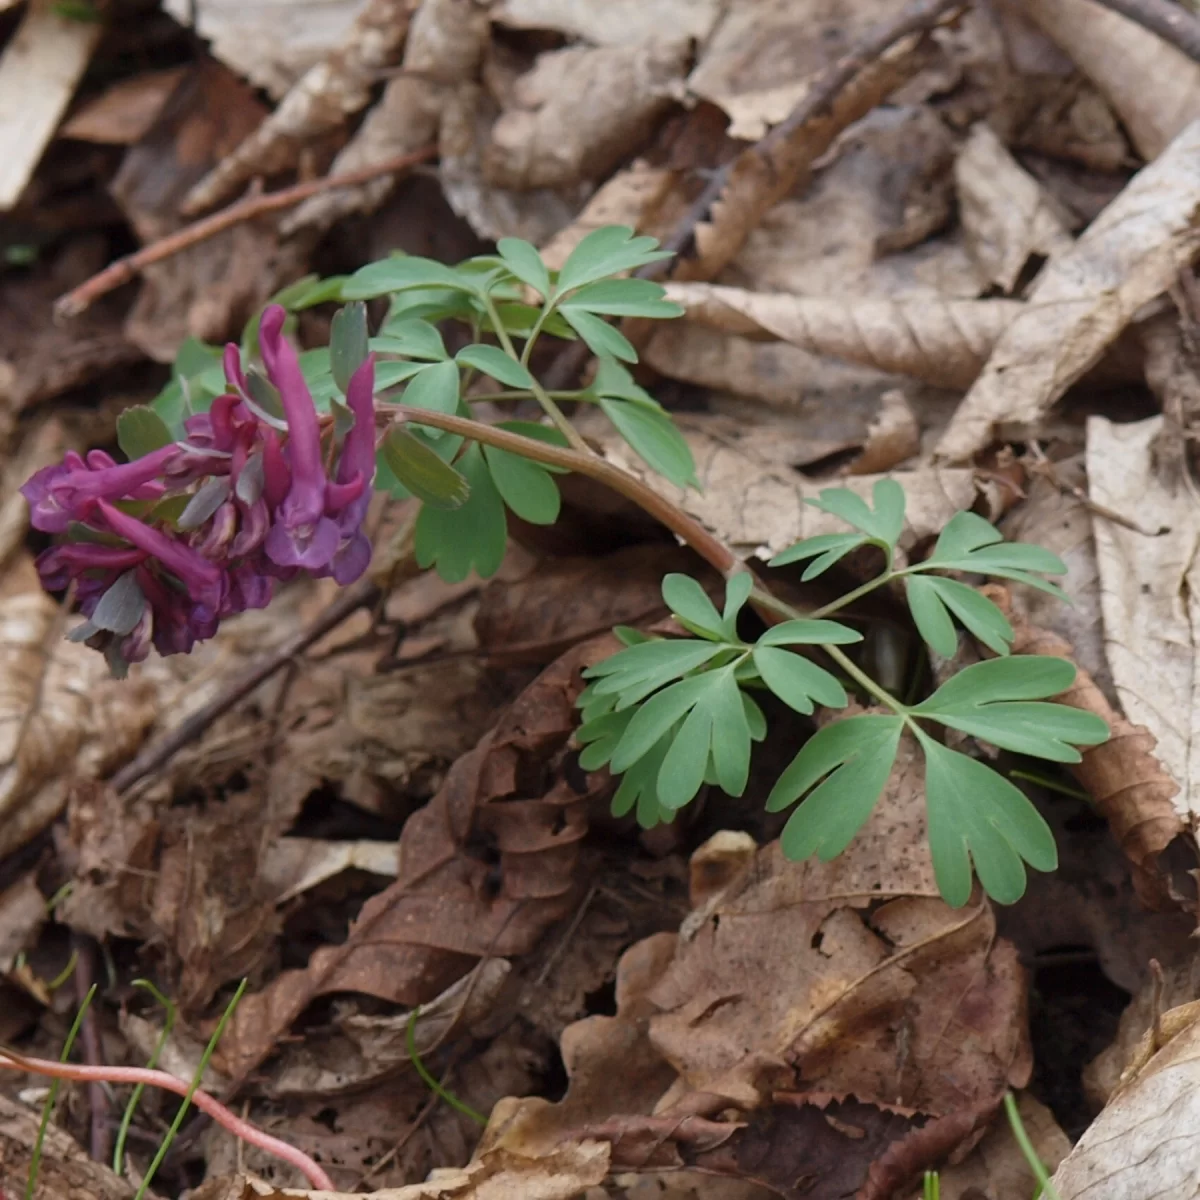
445, 45
762, 510
293, 865
1006, 214
22, 914
614, 23
1154, 87
1085, 298
1147, 595
485, 868
61, 716
66, 1172
1125, 776
124, 112
320, 102
1140, 1144
581, 110
943, 342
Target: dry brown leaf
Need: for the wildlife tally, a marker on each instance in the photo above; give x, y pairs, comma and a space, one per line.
1154, 87
1147, 595
208, 290
319, 103
124, 112
445, 44
266, 41
66, 1172
485, 868
613, 23
1007, 216
1124, 775
61, 716
997, 1168
893, 436
1141, 1146
22, 914
581, 110
292, 865
765, 173
943, 342
761, 509
1085, 298
849, 977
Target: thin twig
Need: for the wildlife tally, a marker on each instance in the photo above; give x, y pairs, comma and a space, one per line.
1172, 22
93, 1050
359, 595
127, 268
11, 1060
824, 90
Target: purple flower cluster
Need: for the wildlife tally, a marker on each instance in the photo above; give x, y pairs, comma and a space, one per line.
162, 548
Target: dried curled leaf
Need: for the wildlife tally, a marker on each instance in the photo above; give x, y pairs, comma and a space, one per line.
448, 906
1085, 298
944, 342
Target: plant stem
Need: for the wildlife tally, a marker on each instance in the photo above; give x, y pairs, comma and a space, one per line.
525, 394
539, 393
1049, 1192
849, 598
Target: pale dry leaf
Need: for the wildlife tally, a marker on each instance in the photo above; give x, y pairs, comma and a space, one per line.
497, 1174
1124, 775
1141, 1145
893, 436
1154, 87
941, 342
293, 865
22, 914
1085, 298
581, 110
1007, 216
762, 55
319, 103
1148, 595
631, 197
997, 1168
445, 45
270, 42
66, 1172
613, 23
763, 511
61, 716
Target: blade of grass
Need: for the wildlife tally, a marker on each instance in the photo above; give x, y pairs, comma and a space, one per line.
434, 1085
131, 1107
1045, 1186
35, 1159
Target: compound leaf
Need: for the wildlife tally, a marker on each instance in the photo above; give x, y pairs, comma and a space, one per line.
525, 263
473, 537
825, 549
796, 681
607, 251
413, 338
930, 616
1017, 677
601, 337
1050, 731
682, 772
655, 718
654, 437
690, 603
400, 273
623, 298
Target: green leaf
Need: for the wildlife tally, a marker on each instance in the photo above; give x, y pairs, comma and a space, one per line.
730, 733
638, 676
830, 747
140, 430
964, 533
969, 543
809, 633
825, 549
434, 387
399, 274
682, 772
623, 298
639, 787
203, 502
1049, 731
825, 824
525, 263
599, 738
311, 291
413, 338
389, 374
471, 537
756, 719
607, 251
653, 436
614, 381
1018, 677
930, 616
491, 360
737, 592
348, 347
690, 603
656, 717
973, 810
796, 681
601, 337
525, 485
421, 471
977, 613
884, 523
539, 433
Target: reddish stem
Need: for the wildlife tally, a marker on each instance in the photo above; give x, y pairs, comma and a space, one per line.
202, 1100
